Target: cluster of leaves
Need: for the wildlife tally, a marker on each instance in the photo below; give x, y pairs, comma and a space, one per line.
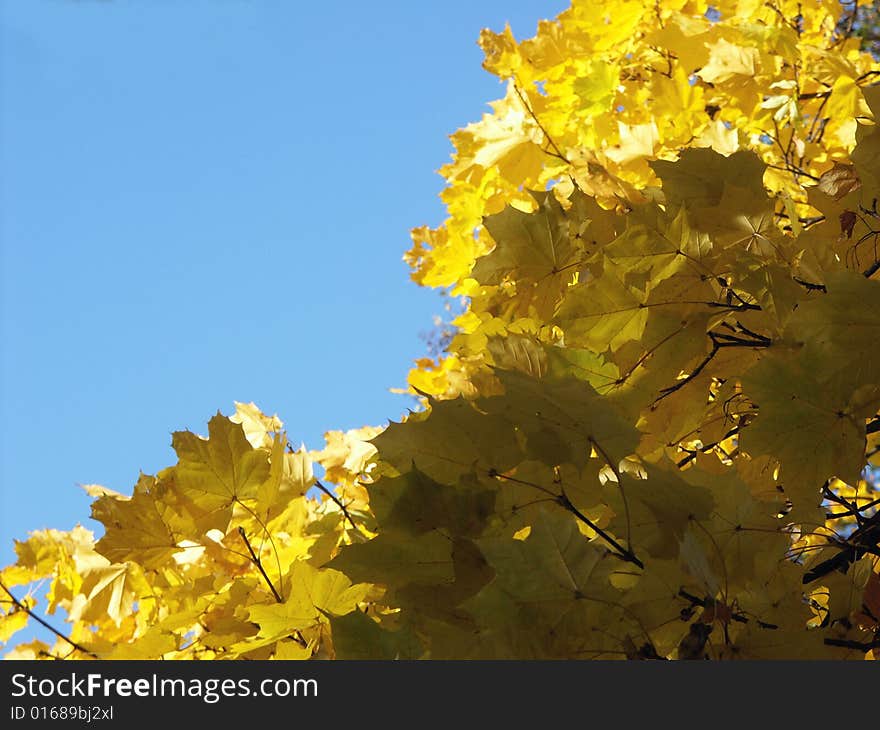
645, 441
219, 556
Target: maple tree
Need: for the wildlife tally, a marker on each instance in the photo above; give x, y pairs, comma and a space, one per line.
646, 438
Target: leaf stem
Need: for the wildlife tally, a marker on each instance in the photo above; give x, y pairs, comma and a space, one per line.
617, 475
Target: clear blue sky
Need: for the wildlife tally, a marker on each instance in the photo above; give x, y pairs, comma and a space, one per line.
204, 201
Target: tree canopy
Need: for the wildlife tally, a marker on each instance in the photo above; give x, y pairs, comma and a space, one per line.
647, 438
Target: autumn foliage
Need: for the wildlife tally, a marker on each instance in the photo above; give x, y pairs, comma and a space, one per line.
647, 438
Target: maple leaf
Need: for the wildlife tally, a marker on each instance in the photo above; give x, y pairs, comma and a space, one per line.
140, 528
797, 415
453, 439
313, 594
357, 636
216, 472
533, 245
415, 502
397, 558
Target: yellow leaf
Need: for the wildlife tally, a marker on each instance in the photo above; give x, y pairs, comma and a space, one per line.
728, 61
154, 644
219, 470
502, 56
11, 622
108, 591
33, 650
636, 141
312, 594
721, 139
257, 426
291, 651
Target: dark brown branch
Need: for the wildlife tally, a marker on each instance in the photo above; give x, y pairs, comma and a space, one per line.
734, 307
339, 504
862, 541
256, 561
790, 167
852, 512
563, 501
810, 286
296, 635
613, 466
734, 341
693, 374
751, 333
815, 95
691, 455
865, 646
703, 603
622, 552
831, 496
871, 270
731, 293
719, 340
817, 116
22, 607
647, 354
850, 24
495, 474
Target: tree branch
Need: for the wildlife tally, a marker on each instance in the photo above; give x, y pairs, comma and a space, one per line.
864, 646
613, 466
684, 381
339, 504
46, 625
810, 286
296, 635
563, 501
622, 552
259, 563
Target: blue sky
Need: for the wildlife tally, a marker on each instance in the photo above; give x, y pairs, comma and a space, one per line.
205, 201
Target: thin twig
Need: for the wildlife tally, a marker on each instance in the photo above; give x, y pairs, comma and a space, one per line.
693, 374
616, 472
810, 286
563, 501
719, 340
691, 455
296, 635
534, 116
854, 512
704, 603
864, 646
622, 552
44, 624
259, 563
339, 504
